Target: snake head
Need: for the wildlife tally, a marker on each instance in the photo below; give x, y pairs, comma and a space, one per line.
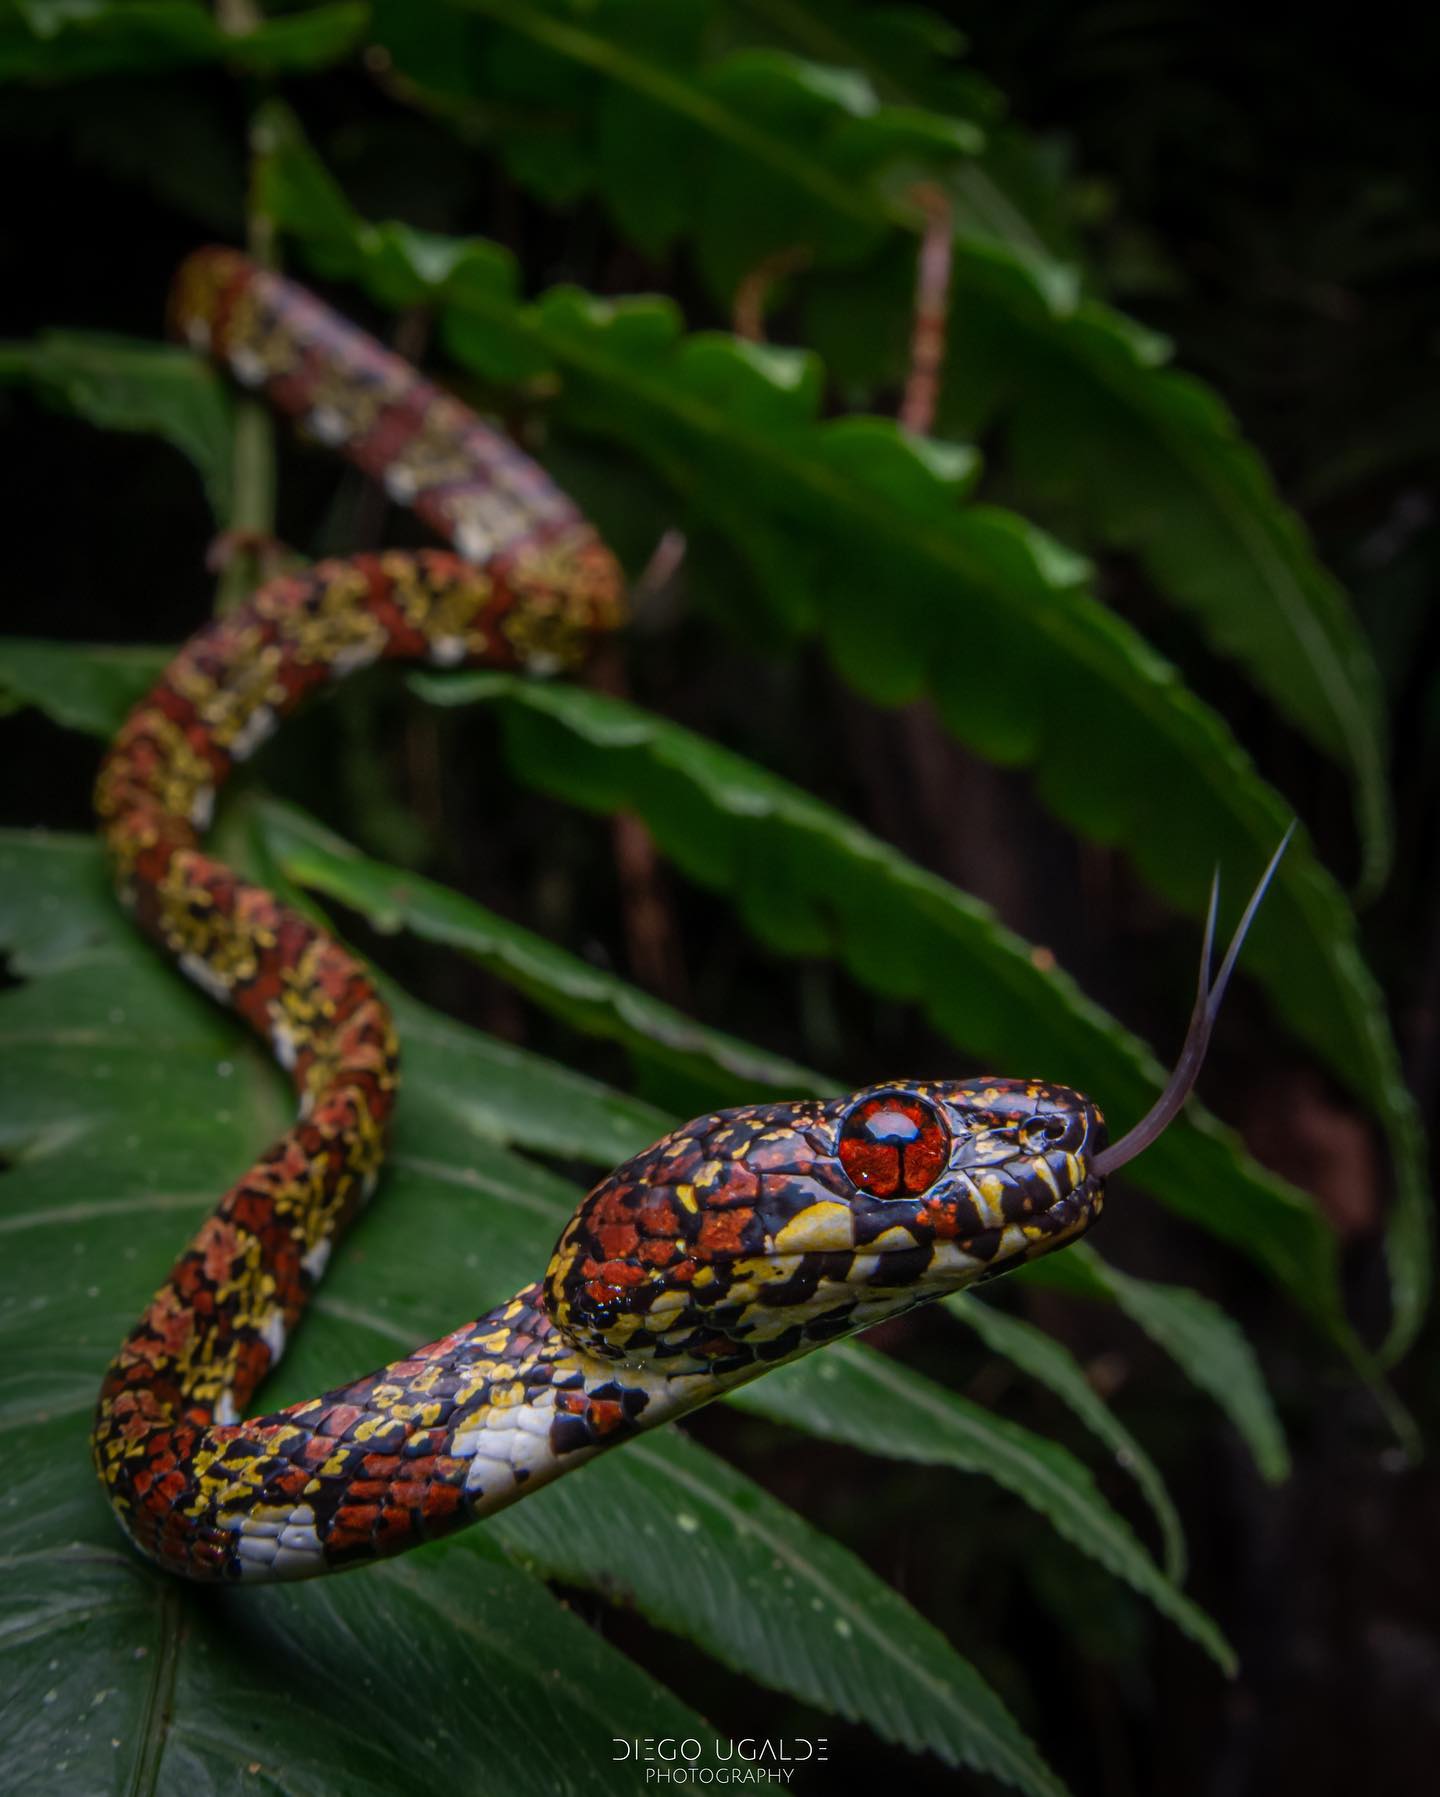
752, 1235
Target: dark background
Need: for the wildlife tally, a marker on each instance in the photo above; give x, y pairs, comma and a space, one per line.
1264, 192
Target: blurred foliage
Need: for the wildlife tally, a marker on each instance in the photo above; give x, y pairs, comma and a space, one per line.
1088, 574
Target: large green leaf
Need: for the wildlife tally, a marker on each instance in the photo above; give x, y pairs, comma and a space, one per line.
829, 1631
715, 1068
755, 134
118, 1680
1043, 1358
128, 1101
854, 1394
84, 687
850, 509
460, 1079
65, 40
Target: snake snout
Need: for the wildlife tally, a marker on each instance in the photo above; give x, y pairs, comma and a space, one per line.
1066, 1132
1053, 1173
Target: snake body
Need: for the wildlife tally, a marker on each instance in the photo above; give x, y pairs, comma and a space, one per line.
744, 1238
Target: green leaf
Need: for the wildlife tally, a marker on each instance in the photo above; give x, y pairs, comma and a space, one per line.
970, 592
1175, 483
69, 40
83, 686
777, 149
1006, 192
853, 1394
1043, 1358
706, 1553
495, 1093
122, 384
1150, 460
127, 1103
1196, 1334
121, 1679
720, 1069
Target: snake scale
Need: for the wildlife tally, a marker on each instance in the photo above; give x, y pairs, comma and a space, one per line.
745, 1238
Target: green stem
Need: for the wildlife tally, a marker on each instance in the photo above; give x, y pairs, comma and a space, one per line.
251, 523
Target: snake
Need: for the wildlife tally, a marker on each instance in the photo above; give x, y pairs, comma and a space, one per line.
741, 1240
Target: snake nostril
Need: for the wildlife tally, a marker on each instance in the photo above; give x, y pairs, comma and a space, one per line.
1046, 1132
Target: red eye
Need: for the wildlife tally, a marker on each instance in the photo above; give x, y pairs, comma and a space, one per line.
894, 1145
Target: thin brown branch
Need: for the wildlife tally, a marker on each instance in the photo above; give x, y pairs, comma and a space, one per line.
932, 306
652, 940
747, 313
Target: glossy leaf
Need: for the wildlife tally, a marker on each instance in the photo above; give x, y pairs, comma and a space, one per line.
83, 686
120, 1681
719, 1069
494, 1092
1042, 1358
853, 1394
831, 1633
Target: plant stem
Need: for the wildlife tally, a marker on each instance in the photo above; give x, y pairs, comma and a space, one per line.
250, 533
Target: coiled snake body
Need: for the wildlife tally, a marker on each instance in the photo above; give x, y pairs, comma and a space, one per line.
743, 1239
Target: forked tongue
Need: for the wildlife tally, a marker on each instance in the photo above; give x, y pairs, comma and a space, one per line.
1202, 1021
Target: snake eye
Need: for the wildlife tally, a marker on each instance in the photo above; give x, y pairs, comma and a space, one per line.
894, 1145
